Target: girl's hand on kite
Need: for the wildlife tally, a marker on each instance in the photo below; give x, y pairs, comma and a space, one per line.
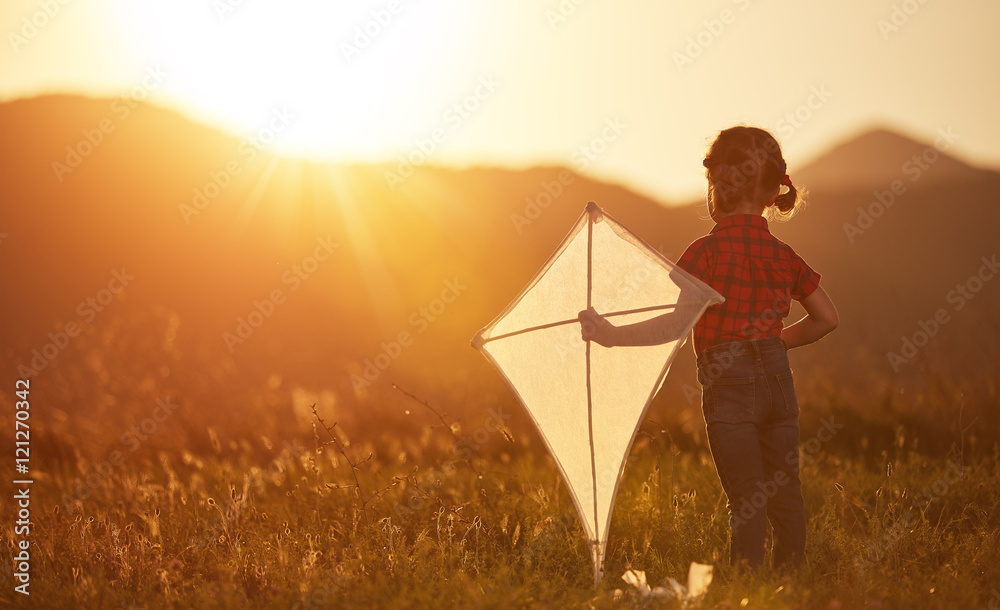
594, 327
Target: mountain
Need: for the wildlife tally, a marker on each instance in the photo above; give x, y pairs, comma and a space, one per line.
249, 264
209, 226
877, 156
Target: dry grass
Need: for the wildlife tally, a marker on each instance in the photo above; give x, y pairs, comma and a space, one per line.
241, 498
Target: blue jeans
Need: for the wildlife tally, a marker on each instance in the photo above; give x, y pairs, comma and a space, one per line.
752, 417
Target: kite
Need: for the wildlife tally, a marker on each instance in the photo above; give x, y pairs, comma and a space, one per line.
587, 401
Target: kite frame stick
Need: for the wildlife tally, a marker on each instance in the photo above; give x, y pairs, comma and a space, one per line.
597, 551
631, 237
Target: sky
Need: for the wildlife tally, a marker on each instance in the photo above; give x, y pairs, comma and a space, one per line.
629, 92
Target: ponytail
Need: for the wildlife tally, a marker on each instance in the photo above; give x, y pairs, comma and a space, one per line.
789, 202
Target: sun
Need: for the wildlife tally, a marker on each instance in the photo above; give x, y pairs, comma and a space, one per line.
311, 81
350, 78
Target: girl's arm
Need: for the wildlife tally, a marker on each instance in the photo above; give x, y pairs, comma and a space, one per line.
655, 331
821, 318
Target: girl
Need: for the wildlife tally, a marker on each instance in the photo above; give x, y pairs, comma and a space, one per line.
748, 398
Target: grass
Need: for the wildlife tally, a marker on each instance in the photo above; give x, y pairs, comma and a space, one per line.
243, 497
291, 527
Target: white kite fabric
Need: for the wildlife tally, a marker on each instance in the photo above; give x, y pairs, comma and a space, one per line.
587, 401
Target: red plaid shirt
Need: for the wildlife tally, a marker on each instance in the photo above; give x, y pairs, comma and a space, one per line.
758, 275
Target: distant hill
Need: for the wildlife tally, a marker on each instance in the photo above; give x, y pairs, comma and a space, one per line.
877, 157
160, 196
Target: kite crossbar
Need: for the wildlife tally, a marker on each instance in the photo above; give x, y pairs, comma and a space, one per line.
481, 341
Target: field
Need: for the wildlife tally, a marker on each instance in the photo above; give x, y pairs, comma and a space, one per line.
245, 247
233, 494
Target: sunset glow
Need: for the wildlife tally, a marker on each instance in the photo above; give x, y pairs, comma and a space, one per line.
368, 81
499, 303
340, 72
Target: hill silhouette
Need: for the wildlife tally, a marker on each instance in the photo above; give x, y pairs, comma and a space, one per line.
211, 227
877, 156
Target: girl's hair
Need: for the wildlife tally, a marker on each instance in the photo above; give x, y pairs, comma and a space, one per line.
746, 163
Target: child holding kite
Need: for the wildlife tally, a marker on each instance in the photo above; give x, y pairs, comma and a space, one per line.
748, 398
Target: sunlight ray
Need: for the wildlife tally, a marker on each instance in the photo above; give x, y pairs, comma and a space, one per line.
382, 292
250, 204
